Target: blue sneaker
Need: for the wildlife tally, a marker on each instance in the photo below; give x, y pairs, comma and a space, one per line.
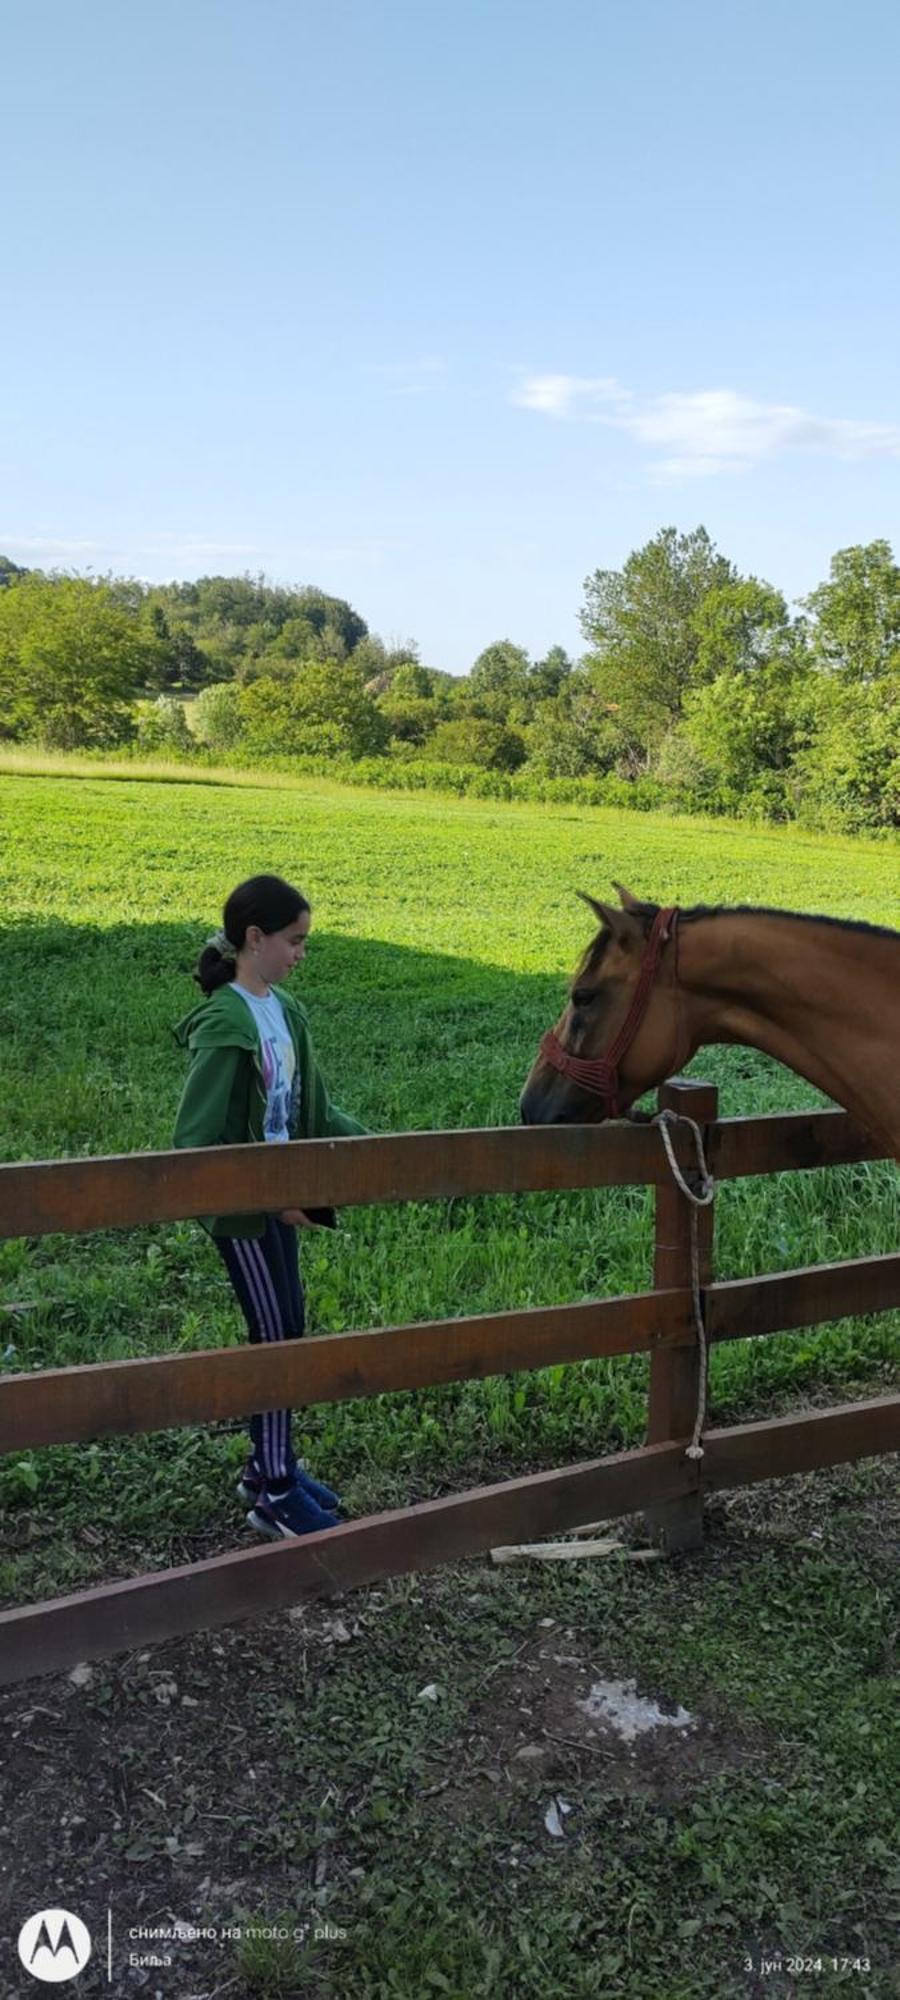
322, 1494
292, 1513
251, 1485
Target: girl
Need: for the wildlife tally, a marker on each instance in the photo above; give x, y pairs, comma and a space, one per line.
253, 1076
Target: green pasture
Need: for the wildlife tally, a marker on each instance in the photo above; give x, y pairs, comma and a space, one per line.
443, 933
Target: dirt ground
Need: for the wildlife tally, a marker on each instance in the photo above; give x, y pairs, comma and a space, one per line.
145, 1792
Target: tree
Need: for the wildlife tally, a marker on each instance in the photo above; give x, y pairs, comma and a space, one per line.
237, 621
573, 735
333, 614
499, 683
848, 775
410, 718
641, 622
175, 660
745, 730
300, 639
71, 662
322, 710
410, 681
413, 701
546, 677
476, 740
741, 628
857, 613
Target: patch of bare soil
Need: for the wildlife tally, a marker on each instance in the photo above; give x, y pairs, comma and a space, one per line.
537, 1730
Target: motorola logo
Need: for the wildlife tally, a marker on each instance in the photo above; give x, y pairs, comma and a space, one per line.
54, 1945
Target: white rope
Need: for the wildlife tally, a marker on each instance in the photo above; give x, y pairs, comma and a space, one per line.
698, 1198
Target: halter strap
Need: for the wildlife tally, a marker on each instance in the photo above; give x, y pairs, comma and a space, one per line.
600, 1075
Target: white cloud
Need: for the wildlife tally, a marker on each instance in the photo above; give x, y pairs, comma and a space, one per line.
570, 395
710, 431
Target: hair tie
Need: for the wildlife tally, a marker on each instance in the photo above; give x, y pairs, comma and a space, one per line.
221, 943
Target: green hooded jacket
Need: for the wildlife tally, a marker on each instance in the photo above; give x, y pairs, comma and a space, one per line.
224, 1098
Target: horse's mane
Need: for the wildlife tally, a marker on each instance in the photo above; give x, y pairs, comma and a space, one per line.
648, 911
795, 916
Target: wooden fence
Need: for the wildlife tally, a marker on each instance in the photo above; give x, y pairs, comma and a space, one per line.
66, 1404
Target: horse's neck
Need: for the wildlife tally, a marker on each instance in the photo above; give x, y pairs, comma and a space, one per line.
820, 998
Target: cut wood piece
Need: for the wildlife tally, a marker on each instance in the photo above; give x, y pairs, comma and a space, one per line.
574, 1551
555, 1551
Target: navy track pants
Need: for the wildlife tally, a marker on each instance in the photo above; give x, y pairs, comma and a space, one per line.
265, 1273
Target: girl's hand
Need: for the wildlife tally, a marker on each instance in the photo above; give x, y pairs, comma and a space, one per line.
298, 1217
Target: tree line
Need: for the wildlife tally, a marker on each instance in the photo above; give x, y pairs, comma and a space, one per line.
699, 688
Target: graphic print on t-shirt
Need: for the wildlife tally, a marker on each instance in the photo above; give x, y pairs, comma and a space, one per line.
279, 1064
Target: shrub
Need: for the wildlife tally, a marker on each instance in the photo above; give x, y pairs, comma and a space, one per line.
162, 726
321, 710
479, 742
216, 716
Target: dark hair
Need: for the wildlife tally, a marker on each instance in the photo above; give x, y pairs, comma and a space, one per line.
266, 901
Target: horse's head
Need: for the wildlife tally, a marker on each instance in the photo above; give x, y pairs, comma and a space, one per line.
620, 1031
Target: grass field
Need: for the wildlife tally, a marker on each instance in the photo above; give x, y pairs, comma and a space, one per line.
443, 934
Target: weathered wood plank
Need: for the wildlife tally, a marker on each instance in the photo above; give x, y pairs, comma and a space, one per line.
100, 1399
738, 1308
54, 1636
676, 1374
60, 1405
787, 1142
804, 1442
125, 1190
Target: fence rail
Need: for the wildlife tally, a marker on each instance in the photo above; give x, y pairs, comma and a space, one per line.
131, 1189
96, 1400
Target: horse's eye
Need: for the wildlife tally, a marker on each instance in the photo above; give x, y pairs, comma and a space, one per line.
582, 996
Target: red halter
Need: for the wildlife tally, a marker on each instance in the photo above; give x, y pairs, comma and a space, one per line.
601, 1076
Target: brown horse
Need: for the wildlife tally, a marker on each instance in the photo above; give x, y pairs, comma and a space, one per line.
655, 985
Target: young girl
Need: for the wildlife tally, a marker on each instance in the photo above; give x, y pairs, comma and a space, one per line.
253, 1076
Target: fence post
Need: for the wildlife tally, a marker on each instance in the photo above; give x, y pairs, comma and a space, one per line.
675, 1371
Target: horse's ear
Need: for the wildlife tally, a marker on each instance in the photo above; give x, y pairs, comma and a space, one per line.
615, 920
627, 900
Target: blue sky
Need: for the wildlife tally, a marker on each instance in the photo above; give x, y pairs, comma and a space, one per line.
443, 307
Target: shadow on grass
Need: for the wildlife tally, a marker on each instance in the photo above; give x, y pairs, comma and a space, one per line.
409, 1040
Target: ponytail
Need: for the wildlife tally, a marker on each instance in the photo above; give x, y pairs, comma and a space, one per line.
265, 901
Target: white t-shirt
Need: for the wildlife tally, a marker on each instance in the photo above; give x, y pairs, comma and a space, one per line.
279, 1062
